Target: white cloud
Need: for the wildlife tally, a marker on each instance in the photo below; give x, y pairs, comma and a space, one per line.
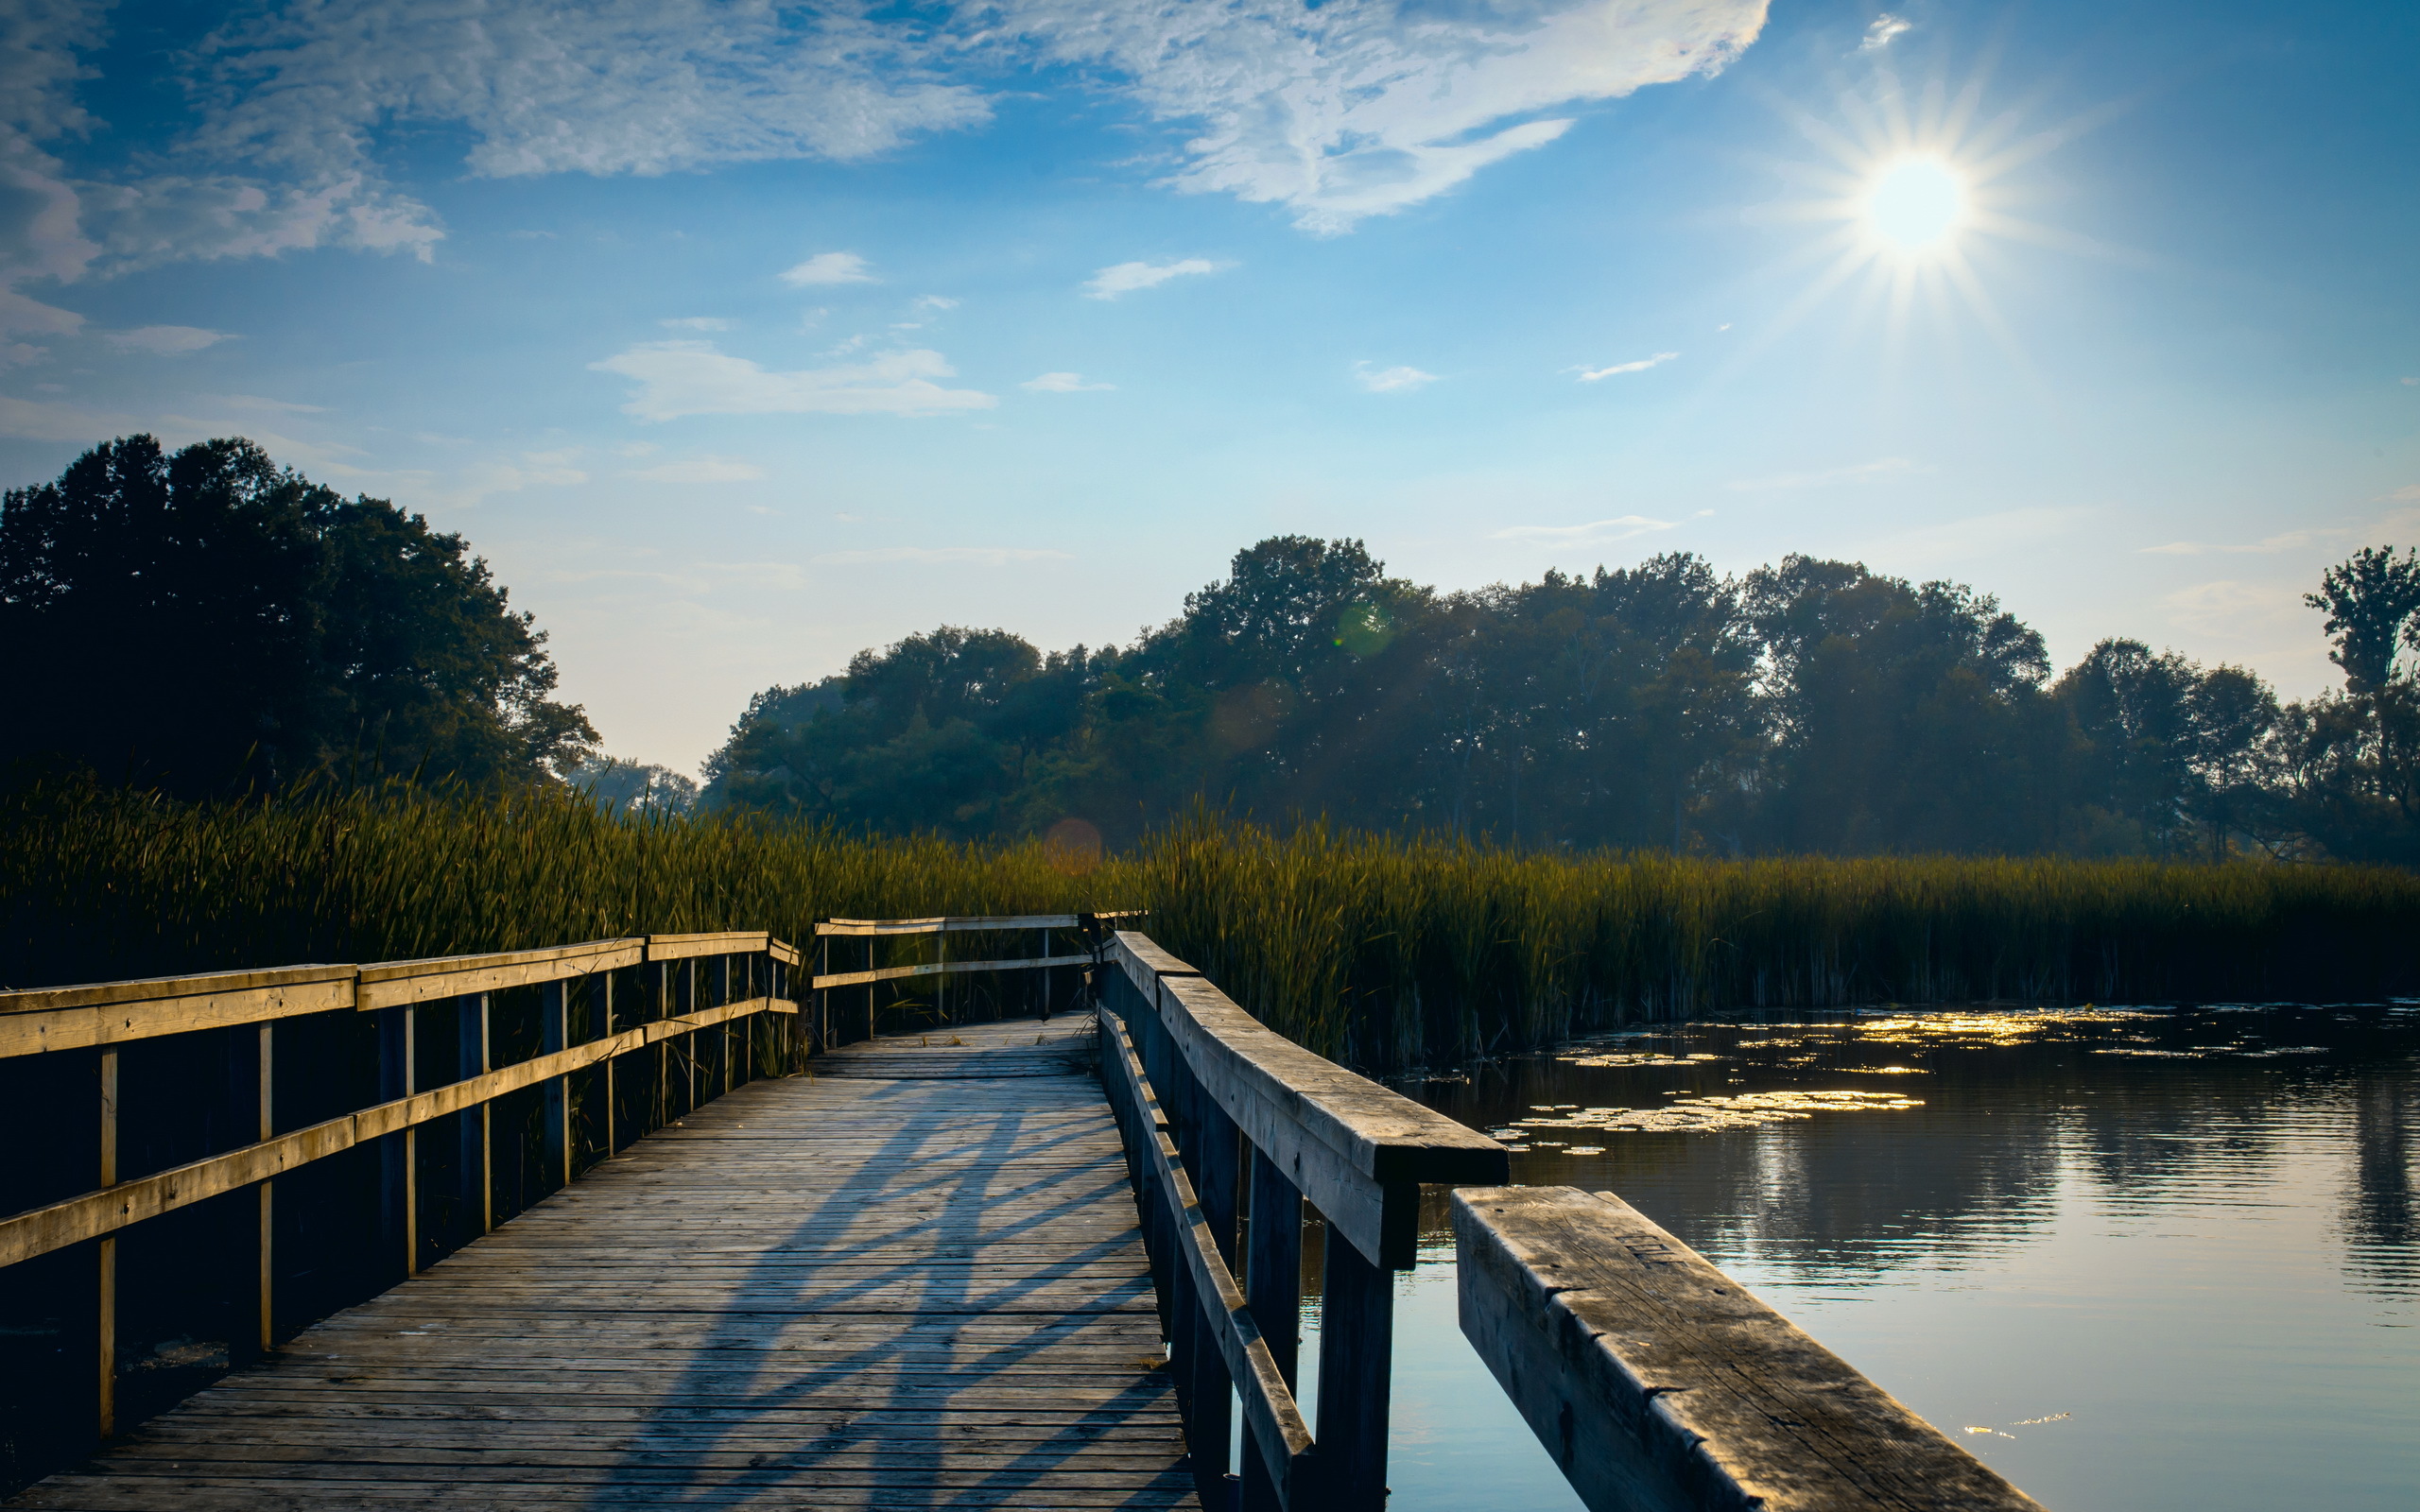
2287, 542
1621, 527
696, 322
1885, 28
1361, 108
164, 340
935, 301
1063, 383
829, 267
702, 470
678, 378
2411, 383
36, 422
1391, 380
2230, 608
2410, 493
990, 556
1589, 375
1125, 278
1888, 466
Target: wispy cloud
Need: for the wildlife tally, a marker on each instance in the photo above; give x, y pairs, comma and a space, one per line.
1874, 471
279, 406
702, 470
1391, 380
1885, 28
33, 421
2285, 541
935, 301
1125, 278
678, 378
1063, 383
1621, 527
829, 267
990, 556
164, 340
696, 322
1589, 375
2231, 608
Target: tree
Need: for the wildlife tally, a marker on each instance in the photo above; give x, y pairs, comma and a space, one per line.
209, 620
2370, 600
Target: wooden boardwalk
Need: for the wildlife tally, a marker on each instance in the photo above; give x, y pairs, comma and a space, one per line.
913, 1280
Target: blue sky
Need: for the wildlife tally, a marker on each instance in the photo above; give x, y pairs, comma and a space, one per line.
739, 337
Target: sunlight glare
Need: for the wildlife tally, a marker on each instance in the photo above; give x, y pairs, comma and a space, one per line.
1915, 203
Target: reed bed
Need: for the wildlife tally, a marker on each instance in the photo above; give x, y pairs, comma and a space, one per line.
1383, 951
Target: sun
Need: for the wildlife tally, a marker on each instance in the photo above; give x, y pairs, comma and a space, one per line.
1915, 204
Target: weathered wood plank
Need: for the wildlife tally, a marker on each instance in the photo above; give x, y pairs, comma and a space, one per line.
1658, 1382
739, 1312
73, 1220
894, 973
29, 1026
723, 942
939, 926
390, 984
1356, 1150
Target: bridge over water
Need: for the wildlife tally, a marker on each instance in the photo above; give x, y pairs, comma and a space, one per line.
667, 1221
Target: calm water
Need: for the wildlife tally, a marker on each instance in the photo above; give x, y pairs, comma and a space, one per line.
2133, 1258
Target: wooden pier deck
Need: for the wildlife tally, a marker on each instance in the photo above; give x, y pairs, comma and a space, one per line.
912, 1280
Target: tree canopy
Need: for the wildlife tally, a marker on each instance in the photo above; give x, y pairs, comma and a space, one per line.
207, 620
1810, 706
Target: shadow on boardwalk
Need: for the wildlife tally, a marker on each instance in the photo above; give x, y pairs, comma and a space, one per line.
914, 1280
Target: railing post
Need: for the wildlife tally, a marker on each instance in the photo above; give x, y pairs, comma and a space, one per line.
1215, 1141
1357, 1352
265, 1303
605, 1017
105, 1402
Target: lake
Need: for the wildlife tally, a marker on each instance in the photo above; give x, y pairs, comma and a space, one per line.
2135, 1258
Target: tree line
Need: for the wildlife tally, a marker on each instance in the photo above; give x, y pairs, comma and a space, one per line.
1809, 706
205, 622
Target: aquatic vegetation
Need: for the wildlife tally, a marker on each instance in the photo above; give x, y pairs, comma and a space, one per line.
1713, 1112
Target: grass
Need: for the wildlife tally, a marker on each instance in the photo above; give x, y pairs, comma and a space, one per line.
1384, 952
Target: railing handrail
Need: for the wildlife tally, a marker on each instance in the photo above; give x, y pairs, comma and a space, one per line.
108, 1013
957, 923
1358, 1151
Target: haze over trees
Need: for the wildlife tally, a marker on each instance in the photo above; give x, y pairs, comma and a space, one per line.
206, 621
1810, 706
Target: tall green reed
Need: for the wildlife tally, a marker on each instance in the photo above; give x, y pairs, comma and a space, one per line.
1385, 950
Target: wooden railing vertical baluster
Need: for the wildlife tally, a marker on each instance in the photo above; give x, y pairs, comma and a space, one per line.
265, 1303
105, 1402
1215, 1141
1273, 1287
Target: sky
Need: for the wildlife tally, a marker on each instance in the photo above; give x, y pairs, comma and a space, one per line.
738, 337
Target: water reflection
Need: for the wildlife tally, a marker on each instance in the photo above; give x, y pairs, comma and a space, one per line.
2148, 1256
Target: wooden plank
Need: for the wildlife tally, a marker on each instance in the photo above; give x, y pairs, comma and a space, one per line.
944, 1302
1658, 1382
1356, 1150
945, 924
40, 1231
392, 982
892, 973
118, 1012
726, 942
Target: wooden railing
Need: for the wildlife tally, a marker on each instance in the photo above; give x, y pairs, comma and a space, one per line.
1656, 1383
858, 1015
1224, 1120
276, 1144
